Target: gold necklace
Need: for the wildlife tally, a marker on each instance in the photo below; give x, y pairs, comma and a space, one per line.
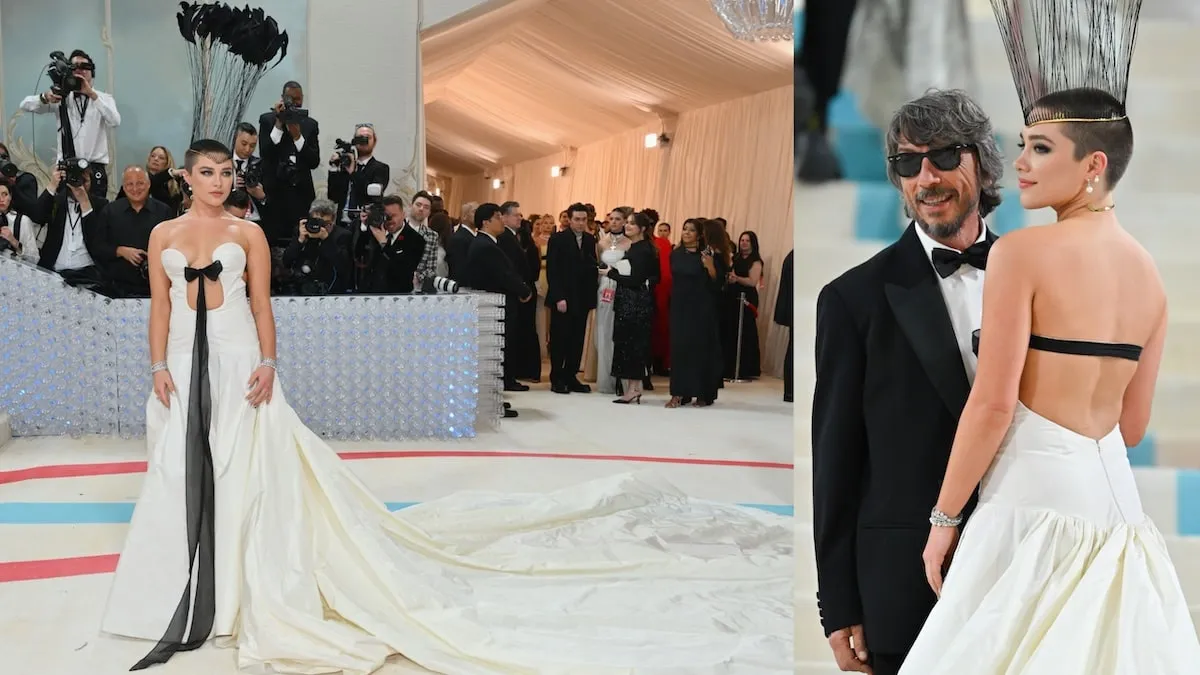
1101, 209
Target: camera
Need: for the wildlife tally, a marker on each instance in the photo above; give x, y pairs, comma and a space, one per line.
75, 169
8, 170
376, 216
292, 113
435, 285
345, 154
62, 75
252, 176
313, 225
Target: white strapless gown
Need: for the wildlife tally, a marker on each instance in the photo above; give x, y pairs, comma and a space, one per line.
1059, 572
314, 575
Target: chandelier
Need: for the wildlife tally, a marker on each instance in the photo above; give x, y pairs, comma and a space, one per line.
757, 20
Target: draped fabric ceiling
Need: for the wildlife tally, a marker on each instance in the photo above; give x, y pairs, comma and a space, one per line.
529, 78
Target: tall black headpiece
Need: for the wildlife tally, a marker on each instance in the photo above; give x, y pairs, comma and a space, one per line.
1056, 45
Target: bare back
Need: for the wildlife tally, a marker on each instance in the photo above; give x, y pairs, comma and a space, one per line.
1091, 281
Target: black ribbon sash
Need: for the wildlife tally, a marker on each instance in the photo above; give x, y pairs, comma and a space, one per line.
200, 503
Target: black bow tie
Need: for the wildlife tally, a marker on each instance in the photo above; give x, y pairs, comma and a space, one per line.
947, 262
213, 271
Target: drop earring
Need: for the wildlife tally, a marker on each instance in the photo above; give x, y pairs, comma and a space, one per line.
1089, 188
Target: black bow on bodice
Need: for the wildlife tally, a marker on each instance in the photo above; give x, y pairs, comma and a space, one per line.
212, 272
947, 262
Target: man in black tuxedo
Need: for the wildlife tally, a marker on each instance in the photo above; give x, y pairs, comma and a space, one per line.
572, 283
525, 355
290, 148
894, 366
460, 244
350, 182
394, 250
490, 270
73, 240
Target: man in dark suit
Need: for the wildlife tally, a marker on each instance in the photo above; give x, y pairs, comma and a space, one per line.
894, 366
572, 282
394, 250
289, 144
73, 241
350, 182
489, 269
524, 352
783, 317
460, 247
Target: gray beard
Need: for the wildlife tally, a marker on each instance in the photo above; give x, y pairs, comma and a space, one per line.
944, 230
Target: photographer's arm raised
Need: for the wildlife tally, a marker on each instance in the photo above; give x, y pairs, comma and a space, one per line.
37, 105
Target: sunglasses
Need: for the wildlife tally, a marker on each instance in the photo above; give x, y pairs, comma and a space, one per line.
908, 164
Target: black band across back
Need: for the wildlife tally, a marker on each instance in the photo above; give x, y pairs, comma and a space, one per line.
200, 500
1076, 347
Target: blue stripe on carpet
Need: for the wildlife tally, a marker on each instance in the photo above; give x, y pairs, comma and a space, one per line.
1188, 500
110, 513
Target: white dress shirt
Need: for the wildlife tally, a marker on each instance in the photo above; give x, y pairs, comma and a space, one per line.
90, 130
277, 136
963, 292
74, 254
30, 237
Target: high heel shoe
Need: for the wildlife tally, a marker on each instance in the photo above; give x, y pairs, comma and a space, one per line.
626, 401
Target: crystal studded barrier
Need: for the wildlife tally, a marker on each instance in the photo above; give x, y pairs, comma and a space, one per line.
354, 367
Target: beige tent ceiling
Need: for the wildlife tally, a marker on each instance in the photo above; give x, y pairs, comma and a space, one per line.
530, 78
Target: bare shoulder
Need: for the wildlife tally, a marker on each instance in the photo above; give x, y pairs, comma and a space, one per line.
164, 232
250, 232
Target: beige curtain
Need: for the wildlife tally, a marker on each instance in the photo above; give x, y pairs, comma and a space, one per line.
733, 159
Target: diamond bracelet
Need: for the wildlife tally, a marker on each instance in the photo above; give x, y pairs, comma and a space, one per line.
940, 519
157, 366
270, 363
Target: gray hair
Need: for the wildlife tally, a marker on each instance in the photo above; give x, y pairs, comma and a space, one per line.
322, 207
946, 117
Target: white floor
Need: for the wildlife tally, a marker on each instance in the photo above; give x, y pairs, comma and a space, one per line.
48, 627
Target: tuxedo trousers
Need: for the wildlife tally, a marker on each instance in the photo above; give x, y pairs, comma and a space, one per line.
567, 331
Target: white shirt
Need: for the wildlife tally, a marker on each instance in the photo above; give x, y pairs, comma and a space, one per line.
963, 292
74, 254
91, 131
30, 237
277, 136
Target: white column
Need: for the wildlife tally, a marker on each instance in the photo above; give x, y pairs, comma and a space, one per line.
364, 66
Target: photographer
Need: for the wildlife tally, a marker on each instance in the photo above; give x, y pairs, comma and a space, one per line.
288, 143
90, 113
22, 185
122, 235
318, 258
352, 170
394, 249
248, 170
70, 214
18, 233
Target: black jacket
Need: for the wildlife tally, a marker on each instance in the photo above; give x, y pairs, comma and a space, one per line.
342, 184
457, 252
571, 271
328, 260
890, 386
490, 270
390, 269
51, 210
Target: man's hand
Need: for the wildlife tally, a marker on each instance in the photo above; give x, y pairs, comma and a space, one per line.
85, 88
293, 129
380, 235
257, 192
303, 231
561, 306
51, 98
850, 649
134, 256
56, 179
81, 196
277, 109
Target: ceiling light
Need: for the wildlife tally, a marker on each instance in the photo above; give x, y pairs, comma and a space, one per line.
496, 183
651, 140
757, 20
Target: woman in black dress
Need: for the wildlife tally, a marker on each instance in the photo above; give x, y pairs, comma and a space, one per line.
697, 276
633, 308
743, 278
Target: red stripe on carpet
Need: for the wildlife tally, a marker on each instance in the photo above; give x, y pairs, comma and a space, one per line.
116, 468
31, 570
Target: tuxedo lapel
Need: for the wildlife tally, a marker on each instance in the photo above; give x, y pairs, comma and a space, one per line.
920, 310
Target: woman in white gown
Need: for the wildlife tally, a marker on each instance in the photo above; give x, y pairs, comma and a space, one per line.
1059, 571
612, 247
250, 528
